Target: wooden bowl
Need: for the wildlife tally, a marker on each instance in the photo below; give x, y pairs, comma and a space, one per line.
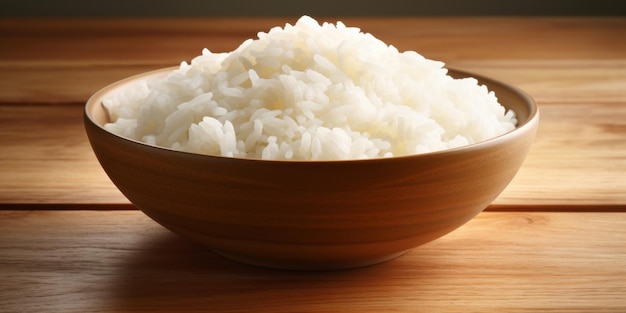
313, 215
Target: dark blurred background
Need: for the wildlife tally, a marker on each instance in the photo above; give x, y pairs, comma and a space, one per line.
198, 8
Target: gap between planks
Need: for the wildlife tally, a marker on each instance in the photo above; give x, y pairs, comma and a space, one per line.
600, 208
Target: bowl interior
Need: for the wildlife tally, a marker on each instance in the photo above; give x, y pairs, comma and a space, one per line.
510, 97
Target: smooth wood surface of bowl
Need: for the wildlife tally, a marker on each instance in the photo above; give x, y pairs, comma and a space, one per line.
318, 215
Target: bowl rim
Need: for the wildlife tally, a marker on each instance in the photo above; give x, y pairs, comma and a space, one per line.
527, 125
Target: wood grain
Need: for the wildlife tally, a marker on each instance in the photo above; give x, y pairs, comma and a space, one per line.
172, 40
575, 68
74, 254
547, 82
577, 158
46, 158
85, 261
60, 60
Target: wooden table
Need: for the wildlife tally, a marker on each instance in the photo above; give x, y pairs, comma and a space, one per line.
554, 241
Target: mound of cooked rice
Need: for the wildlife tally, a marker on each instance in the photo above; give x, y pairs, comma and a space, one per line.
309, 92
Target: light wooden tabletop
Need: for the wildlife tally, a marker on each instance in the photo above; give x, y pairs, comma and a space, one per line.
555, 240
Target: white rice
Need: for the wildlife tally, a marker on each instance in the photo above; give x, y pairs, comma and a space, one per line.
309, 92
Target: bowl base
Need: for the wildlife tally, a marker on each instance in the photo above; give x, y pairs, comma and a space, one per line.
298, 265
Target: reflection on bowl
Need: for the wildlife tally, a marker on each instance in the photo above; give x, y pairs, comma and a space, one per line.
313, 215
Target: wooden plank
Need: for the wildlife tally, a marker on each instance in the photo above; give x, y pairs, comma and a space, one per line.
65, 60
100, 261
562, 82
61, 83
46, 158
137, 41
173, 40
574, 67
577, 159
547, 82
